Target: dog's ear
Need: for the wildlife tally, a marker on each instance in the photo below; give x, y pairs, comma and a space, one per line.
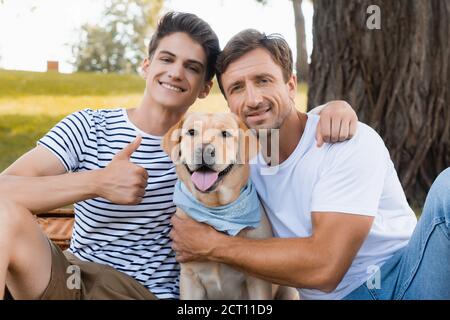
248, 143
171, 141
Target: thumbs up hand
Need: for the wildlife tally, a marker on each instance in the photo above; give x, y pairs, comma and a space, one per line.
123, 182
125, 153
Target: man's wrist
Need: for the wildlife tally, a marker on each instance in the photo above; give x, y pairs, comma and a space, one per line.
96, 183
222, 248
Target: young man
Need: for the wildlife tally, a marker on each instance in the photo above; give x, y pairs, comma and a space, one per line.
339, 211
121, 185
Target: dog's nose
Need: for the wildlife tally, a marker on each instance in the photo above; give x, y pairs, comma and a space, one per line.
208, 154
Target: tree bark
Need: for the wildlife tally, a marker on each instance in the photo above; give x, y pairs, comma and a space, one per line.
301, 63
396, 78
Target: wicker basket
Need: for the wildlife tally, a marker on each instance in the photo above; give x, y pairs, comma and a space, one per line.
57, 225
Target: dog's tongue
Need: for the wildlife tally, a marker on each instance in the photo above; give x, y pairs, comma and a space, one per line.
203, 180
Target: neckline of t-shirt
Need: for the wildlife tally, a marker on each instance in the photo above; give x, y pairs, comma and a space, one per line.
296, 153
131, 124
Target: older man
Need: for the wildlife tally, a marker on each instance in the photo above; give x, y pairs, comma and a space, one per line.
339, 212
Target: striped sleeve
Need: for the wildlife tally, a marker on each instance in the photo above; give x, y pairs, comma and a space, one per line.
68, 139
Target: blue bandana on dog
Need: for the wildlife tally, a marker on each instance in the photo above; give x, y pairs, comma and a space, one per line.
231, 218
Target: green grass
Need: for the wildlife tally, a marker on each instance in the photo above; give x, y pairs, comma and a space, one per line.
19, 133
33, 102
23, 83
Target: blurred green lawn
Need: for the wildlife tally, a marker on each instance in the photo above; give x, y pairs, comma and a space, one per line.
31, 103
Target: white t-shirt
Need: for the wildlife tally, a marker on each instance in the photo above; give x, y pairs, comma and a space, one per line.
354, 177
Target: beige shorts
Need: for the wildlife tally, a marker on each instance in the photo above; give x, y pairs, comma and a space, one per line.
74, 279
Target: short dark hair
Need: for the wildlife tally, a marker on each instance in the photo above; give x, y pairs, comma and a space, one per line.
248, 40
194, 27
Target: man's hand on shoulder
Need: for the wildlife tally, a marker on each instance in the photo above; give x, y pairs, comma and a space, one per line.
338, 122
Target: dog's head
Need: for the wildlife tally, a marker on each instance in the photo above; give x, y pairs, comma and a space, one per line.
211, 150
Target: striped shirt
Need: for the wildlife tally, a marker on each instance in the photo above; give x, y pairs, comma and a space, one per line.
133, 239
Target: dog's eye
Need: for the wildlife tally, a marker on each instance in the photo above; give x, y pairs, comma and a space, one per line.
192, 132
226, 134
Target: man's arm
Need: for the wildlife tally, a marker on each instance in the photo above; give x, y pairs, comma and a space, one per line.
317, 262
38, 181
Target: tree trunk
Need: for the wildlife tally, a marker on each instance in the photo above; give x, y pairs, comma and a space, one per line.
396, 78
301, 64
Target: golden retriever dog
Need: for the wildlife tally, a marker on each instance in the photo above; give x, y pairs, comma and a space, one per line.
212, 153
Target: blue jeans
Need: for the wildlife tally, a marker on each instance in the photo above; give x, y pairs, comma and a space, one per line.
421, 270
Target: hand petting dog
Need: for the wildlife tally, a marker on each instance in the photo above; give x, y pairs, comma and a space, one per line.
192, 240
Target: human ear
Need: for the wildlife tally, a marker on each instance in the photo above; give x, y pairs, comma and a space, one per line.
292, 86
206, 89
144, 67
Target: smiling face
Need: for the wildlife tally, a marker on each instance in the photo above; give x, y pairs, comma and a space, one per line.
175, 74
256, 90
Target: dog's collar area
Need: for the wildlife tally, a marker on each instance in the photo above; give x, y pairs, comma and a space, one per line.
231, 218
